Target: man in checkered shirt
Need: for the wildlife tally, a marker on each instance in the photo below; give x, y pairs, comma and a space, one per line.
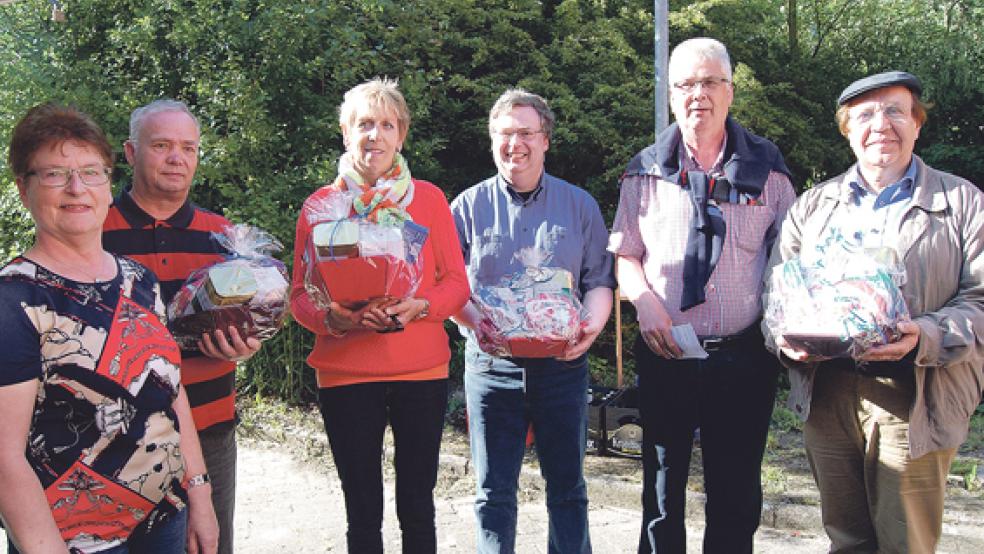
697, 216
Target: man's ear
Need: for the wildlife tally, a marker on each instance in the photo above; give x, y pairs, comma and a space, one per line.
130, 151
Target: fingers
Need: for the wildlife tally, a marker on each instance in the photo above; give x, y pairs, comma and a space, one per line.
662, 344
228, 345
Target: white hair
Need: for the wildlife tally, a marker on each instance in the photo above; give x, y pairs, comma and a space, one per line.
140, 115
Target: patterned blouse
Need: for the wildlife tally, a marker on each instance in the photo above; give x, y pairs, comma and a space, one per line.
103, 438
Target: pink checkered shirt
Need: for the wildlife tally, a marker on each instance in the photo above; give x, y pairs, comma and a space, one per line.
652, 224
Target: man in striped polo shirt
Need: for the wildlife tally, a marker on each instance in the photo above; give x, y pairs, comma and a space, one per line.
154, 222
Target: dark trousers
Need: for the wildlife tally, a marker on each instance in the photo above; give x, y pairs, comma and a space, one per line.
355, 418
729, 396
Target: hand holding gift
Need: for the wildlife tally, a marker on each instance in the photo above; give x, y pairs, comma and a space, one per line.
841, 306
241, 298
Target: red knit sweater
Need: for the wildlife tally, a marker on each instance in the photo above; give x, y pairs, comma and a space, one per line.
420, 351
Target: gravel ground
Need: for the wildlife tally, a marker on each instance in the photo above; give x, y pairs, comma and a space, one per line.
290, 500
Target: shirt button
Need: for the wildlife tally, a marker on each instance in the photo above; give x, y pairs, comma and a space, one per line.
163, 261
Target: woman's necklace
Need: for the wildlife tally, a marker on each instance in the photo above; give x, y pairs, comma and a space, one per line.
102, 270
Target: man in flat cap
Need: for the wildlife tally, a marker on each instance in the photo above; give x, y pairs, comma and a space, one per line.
881, 431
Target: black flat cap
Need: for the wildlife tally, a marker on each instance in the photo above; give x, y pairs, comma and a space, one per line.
877, 81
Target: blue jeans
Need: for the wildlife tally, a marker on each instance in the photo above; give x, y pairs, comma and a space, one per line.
166, 537
729, 396
355, 418
219, 449
501, 405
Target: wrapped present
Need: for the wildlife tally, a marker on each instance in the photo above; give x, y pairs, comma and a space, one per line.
247, 291
839, 306
533, 313
352, 259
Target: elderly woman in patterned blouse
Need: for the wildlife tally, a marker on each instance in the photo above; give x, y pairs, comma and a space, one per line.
91, 459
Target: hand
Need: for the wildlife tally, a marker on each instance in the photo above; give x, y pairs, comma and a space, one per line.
203, 527
490, 340
407, 310
370, 317
655, 327
233, 348
588, 333
790, 352
897, 350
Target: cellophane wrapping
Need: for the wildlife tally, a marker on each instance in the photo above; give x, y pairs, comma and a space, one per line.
533, 313
352, 260
841, 305
248, 290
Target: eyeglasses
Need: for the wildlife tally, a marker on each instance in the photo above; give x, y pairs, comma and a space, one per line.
524, 135
58, 177
890, 111
710, 84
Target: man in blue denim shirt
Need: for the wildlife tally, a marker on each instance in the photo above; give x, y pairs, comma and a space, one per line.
523, 207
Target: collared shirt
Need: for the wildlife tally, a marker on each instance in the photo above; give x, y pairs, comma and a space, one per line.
560, 220
173, 249
653, 222
871, 220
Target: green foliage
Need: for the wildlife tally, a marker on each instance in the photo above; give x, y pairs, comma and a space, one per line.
266, 78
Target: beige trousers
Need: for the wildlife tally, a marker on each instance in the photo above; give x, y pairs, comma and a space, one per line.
874, 497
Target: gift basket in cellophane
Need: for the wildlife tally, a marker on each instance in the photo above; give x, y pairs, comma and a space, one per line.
248, 290
363, 246
846, 302
533, 313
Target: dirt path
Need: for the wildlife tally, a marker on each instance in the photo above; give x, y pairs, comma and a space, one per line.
290, 506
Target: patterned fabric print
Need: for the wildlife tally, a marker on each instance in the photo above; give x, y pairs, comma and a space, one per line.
652, 224
104, 441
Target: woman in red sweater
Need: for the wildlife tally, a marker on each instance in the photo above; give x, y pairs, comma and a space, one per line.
368, 374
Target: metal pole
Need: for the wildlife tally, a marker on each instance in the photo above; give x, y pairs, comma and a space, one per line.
661, 36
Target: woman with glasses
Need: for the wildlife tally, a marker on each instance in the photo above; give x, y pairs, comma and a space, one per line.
91, 459
365, 378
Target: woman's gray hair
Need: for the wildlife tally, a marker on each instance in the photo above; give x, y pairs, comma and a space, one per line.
517, 97
381, 92
702, 48
140, 115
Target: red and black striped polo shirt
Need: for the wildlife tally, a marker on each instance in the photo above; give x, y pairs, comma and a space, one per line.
173, 248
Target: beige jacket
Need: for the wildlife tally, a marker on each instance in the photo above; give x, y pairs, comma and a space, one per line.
941, 240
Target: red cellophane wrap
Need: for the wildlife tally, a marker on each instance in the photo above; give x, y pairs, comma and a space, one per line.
533, 313
352, 260
248, 290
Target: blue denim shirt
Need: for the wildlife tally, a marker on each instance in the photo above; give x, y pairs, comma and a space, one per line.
562, 220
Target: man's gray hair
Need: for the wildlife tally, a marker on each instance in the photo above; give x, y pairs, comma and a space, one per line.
141, 114
702, 48
517, 97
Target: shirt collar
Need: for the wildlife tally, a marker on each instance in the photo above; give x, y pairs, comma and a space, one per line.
690, 162
898, 191
517, 197
138, 218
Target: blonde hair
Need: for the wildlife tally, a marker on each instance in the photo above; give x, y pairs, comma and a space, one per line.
381, 92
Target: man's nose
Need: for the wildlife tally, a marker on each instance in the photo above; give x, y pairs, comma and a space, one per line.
879, 120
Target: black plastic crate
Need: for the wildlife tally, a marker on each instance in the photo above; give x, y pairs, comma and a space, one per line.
614, 425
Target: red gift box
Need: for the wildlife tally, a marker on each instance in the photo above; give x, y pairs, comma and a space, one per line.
536, 348
356, 280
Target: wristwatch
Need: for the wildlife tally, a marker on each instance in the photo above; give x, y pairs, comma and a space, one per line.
199, 480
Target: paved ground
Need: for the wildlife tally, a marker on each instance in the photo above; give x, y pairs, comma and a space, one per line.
287, 506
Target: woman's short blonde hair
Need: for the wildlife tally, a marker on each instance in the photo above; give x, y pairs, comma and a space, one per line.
381, 93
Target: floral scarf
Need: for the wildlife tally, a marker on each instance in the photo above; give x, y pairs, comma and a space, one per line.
383, 202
